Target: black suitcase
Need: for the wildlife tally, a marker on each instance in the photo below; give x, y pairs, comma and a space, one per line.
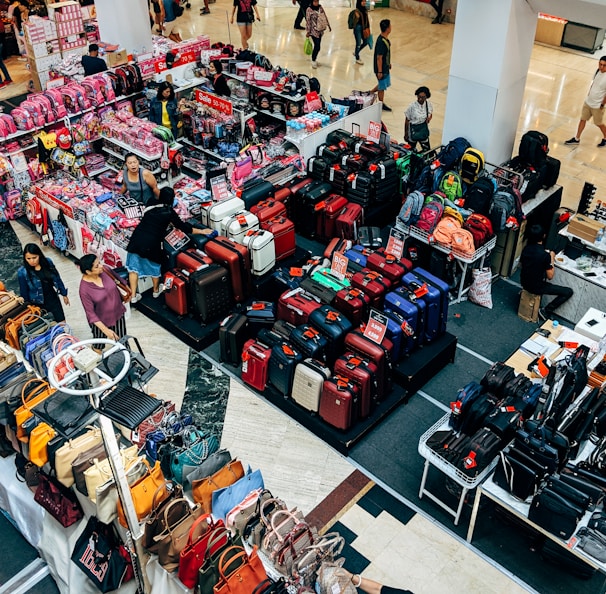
343, 137
334, 326
255, 190
360, 188
233, 333
331, 152
317, 167
283, 328
305, 206
370, 237
551, 172
337, 176
369, 149
282, 363
260, 314
322, 292
210, 292
309, 342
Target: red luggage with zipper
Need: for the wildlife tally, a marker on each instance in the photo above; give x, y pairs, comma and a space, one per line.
255, 363
389, 266
236, 259
355, 304
328, 211
295, 306
337, 245
339, 402
349, 221
268, 209
191, 260
364, 373
372, 284
175, 295
283, 195
283, 230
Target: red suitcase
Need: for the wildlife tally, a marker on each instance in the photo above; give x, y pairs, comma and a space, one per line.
283, 195
236, 259
283, 230
328, 210
379, 354
339, 402
372, 284
175, 295
337, 245
298, 184
389, 266
295, 306
255, 363
349, 221
268, 209
191, 260
364, 373
355, 304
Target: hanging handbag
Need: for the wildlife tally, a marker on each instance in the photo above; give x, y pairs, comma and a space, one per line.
38, 440
308, 47
224, 500
99, 554
196, 448
100, 471
193, 554
68, 452
332, 578
58, 501
325, 548
154, 524
32, 393
202, 490
420, 132
240, 573
214, 462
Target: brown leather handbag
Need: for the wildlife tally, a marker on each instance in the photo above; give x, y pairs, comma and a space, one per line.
155, 522
32, 393
38, 439
202, 490
70, 450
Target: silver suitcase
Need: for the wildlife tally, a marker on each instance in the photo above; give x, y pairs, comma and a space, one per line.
262, 250
238, 224
307, 384
213, 213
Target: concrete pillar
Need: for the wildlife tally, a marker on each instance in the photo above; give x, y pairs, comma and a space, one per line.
492, 43
125, 22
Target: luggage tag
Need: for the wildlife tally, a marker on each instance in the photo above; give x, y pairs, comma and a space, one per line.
297, 272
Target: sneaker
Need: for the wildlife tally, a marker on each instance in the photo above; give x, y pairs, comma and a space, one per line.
299, 28
314, 64
544, 315
135, 299
8, 81
442, 18
386, 107
205, 11
572, 140
358, 61
436, 21
159, 292
602, 143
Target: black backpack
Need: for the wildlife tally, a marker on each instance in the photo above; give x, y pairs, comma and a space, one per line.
479, 195
534, 147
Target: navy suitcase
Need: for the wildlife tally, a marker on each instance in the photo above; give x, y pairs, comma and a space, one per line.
401, 333
413, 312
278, 282
255, 190
260, 314
309, 342
284, 359
443, 287
334, 326
431, 296
232, 336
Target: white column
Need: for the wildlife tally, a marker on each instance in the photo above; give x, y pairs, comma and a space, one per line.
125, 22
493, 40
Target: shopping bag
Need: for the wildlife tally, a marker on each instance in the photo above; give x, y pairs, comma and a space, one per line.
308, 47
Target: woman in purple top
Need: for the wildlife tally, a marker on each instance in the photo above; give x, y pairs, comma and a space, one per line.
101, 300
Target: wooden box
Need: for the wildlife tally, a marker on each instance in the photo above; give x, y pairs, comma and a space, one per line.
529, 306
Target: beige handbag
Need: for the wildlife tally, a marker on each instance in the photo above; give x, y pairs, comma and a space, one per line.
69, 451
7, 356
100, 472
8, 301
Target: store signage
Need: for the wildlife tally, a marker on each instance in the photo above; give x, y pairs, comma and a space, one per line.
338, 266
395, 244
182, 57
218, 188
214, 102
374, 132
376, 327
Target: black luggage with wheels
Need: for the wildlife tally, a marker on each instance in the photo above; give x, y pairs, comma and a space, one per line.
551, 172
370, 237
255, 190
306, 199
210, 292
284, 359
232, 336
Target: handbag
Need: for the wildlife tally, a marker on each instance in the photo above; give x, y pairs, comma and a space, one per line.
100, 471
366, 33
297, 540
13, 325
325, 548
85, 460
420, 132
218, 541
237, 517
554, 513
308, 47
593, 543
280, 524
332, 578
519, 474
254, 528
38, 440
57, 500
67, 414
99, 554
240, 573
154, 523
196, 448
122, 286
32, 393
194, 553
202, 490
224, 500
69, 451
214, 462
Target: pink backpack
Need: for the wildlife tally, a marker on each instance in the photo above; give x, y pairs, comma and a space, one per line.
92, 85
23, 118
9, 122
56, 100
445, 228
35, 110
106, 87
45, 106
13, 204
431, 213
82, 99
69, 96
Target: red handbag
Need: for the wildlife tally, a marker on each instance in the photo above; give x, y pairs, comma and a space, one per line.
193, 555
59, 501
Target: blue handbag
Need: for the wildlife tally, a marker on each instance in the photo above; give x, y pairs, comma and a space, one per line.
197, 446
224, 500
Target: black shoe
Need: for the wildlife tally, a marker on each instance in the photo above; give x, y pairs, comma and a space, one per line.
386, 107
544, 315
436, 21
299, 28
442, 19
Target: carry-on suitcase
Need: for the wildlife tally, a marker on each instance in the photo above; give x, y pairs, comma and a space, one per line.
388, 265
255, 363
412, 312
337, 177
284, 195
175, 293
310, 376
279, 281
296, 306
442, 287
370, 150
359, 188
372, 284
233, 333
331, 152
400, 334
353, 162
309, 342
191, 260
334, 325
430, 295
282, 364
349, 221
212, 213
551, 172
305, 213
323, 293
283, 328
339, 402
355, 304
357, 255
210, 292
328, 211
260, 314
337, 244
255, 190
341, 136
237, 225
364, 373
268, 209
262, 249
317, 167
236, 259
283, 230
370, 237
324, 276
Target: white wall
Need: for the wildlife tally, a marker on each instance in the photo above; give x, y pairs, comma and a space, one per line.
125, 22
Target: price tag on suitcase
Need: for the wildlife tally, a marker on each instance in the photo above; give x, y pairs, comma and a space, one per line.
376, 327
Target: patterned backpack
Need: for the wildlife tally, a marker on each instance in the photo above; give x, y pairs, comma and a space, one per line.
411, 209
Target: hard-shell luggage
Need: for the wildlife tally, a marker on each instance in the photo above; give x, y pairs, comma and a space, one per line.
336, 244
372, 284
360, 188
210, 292
255, 363
389, 266
324, 276
551, 172
268, 209
175, 294
236, 259
296, 306
309, 342
323, 293
284, 196
280, 281
283, 230
334, 325
370, 149
353, 161
363, 372
191, 260
212, 213
317, 167
395, 333
260, 314
337, 177
349, 221
355, 304
432, 297
233, 333
443, 287
328, 210
283, 328
262, 250
357, 255
339, 402
237, 225
305, 213
370, 237
284, 359
341, 136
307, 384
254, 191
331, 152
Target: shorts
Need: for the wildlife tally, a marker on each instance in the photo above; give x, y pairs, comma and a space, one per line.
142, 266
243, 24
384, 83
592, 112
169, 28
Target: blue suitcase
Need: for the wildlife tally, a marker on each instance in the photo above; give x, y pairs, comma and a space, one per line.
357, 258
432, 298
310, 342
282, 363
396, 335
413, 312
403, 337
334, 326
439, 284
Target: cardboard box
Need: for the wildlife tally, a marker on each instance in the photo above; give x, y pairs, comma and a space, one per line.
584, 227
116, 58
529, 306
550, 30
63, 8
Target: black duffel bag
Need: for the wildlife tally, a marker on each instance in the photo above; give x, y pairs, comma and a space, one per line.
554, 513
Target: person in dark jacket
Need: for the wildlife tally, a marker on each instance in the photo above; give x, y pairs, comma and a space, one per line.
145, 246
92, 63
361, 28
537, 269
163, 108
218, 79
40, 283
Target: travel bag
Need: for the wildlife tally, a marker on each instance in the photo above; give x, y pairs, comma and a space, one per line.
255, 363
337, 177
260, 314
191, 260
349, 221
395, 326
358, 257
533, 148
309, 342
322, 292
175, 294
360, 189
237, 225
305, 214
233, 333
372, 284
355, 304
334, 326
364, 373
254, 191
283, 230
262, 249
435, 321
554, 513
282, 364
268, 209
339, 402
317, 167
370, 237
209, 292
284, 329
296, 306
388, 265
328, 210
412, 312
324, 276
212, 213
310, 376
236, 259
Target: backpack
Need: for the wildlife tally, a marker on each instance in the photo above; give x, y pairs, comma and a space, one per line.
502, 207
465, 397
351, 19
479, 196
472, 164
444, 230
480, 227
451, 154
59, 235
430, 215
411, 209
534, 147
453, 212
461, 241
451, 185
424, 182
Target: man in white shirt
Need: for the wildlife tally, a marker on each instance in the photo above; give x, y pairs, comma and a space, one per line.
593, 106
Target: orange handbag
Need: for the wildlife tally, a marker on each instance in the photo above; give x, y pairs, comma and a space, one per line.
33, 392
144, 492
13, 325
224, 477
240, 574
39, 437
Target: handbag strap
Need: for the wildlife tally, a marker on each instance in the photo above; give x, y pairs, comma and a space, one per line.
226, 560
163, 486
30, 319
41, 385
177, 501
217, 533
203, 518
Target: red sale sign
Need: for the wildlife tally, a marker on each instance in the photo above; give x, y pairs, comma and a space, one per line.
339, 265
376, 327
374, 131
214, 102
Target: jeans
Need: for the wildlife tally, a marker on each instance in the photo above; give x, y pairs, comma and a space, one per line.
563, 294
7, 76
361, 43
317, 42
438, 6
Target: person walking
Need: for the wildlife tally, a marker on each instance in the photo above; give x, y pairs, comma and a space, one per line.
246, 12
537, 269
361, 29
316, 23
169, 20
92, 63
163, 108
593, 106
18, 13
382, 62
7, 77
438, 6
101, 300
303, 6
417, 117
144, 251
139, 182
40, 283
